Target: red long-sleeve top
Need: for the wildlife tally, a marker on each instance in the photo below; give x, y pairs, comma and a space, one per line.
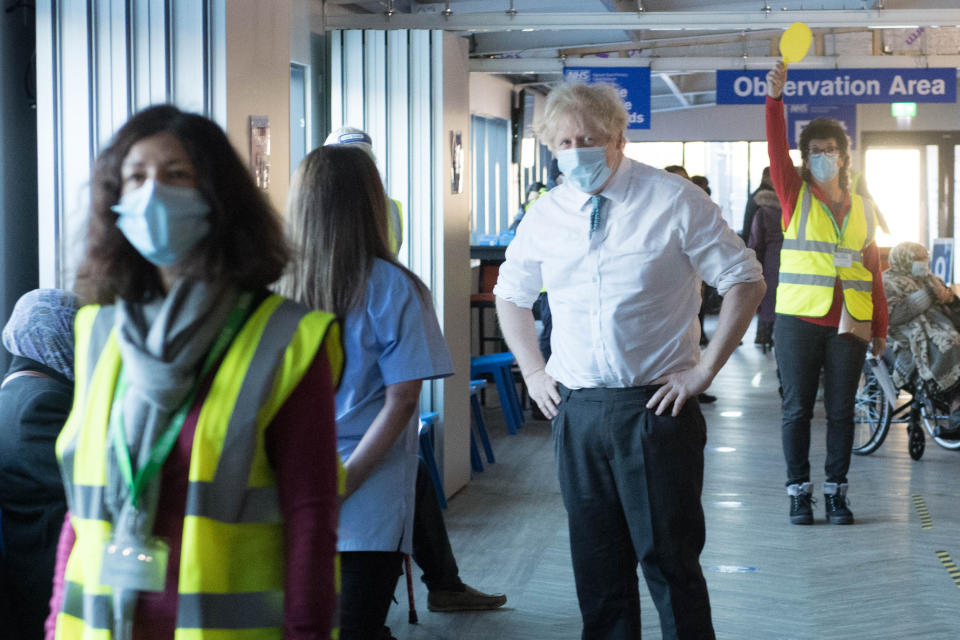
787, 183
301, 445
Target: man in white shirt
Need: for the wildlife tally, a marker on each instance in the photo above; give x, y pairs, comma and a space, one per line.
622, 249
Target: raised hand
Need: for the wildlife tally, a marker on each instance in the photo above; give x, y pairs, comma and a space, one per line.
775, 79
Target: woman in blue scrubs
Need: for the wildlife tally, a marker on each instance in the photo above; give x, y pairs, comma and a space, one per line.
392, 342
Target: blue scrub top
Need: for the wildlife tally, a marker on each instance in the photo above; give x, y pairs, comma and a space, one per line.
392, 337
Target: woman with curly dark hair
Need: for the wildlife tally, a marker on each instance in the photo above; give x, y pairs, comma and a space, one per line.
199, 459
829, 282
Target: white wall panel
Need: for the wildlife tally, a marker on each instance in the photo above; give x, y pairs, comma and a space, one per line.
398, 128
375, 94
352, 79
98, 61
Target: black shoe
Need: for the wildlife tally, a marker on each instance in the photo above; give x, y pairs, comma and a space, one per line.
836, 504
706, 398
801, 503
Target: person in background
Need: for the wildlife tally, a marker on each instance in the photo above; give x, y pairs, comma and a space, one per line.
534, 191
622, 248
431, 543
361, 139
829, 275
753, 204
677, 170
392, 342
766, 239
199, 459
702, 182
922, 331
35, 399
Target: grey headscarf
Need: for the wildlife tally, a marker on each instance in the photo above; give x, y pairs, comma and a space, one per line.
41, 328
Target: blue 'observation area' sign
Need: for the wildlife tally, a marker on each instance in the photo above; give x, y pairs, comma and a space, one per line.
633, 83
841, 86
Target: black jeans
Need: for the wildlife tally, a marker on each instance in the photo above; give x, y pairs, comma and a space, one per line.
803, 349
367, 582
431, 546
631, 482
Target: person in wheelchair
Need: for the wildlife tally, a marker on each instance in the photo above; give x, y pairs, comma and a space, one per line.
922, 331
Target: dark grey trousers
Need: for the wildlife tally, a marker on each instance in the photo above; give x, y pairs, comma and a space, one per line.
631, 483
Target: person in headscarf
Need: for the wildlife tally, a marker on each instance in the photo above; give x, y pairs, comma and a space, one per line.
35, 398
921, 323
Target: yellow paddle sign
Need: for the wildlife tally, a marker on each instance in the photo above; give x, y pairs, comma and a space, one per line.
795, 42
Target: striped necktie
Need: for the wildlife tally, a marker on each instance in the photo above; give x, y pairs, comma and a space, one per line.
597, 202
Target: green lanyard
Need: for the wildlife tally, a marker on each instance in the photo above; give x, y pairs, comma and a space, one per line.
164, 445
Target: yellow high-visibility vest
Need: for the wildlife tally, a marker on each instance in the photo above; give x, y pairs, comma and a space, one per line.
815, 253
394, 225
232, 569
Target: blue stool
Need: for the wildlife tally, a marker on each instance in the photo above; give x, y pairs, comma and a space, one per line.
427, 423
498, 365
475, 387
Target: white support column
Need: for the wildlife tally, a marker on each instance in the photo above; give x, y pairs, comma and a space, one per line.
375, 93
336, 82
353, 92
397, 132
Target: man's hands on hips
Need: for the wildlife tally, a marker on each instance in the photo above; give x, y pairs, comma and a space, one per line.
678, 388
543, 389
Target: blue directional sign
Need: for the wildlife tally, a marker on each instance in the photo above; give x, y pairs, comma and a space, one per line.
633, 83
841, 86
800, 115
941, 260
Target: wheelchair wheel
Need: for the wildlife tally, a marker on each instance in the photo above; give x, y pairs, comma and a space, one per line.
934, 419
916, 443
871, 414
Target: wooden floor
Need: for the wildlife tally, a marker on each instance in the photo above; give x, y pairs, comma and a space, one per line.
881, 578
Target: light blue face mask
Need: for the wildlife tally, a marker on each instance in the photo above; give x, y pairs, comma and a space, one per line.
585, 167
824, 166
163, 223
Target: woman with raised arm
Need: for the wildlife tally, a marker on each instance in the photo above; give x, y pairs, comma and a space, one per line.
829, 279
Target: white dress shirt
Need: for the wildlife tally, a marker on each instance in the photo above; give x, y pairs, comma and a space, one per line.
625, 302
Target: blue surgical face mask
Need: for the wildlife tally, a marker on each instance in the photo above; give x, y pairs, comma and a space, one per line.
585, 167
162, 222
920, 268
824, 166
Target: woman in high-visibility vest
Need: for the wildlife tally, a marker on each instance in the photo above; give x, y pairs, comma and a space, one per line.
199, 457
829, 280
392, 342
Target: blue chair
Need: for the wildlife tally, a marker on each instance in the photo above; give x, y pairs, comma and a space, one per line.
498, 366
481, 427
428, 422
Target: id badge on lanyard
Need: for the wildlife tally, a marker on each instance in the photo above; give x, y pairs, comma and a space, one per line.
132, 561
842, 259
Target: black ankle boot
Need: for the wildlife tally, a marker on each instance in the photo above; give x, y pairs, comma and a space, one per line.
801, 503
835, 499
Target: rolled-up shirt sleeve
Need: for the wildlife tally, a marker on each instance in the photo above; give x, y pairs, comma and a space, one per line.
716, 252
520, 279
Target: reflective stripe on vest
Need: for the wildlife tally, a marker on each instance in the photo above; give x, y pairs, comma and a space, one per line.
394, 225
232, 508
807, 271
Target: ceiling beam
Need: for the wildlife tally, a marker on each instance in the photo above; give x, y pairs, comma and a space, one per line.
652, 20
667, 80
668, 65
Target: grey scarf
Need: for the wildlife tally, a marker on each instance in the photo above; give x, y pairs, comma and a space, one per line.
163, 344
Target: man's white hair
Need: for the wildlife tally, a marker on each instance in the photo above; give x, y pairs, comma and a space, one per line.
599, 104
